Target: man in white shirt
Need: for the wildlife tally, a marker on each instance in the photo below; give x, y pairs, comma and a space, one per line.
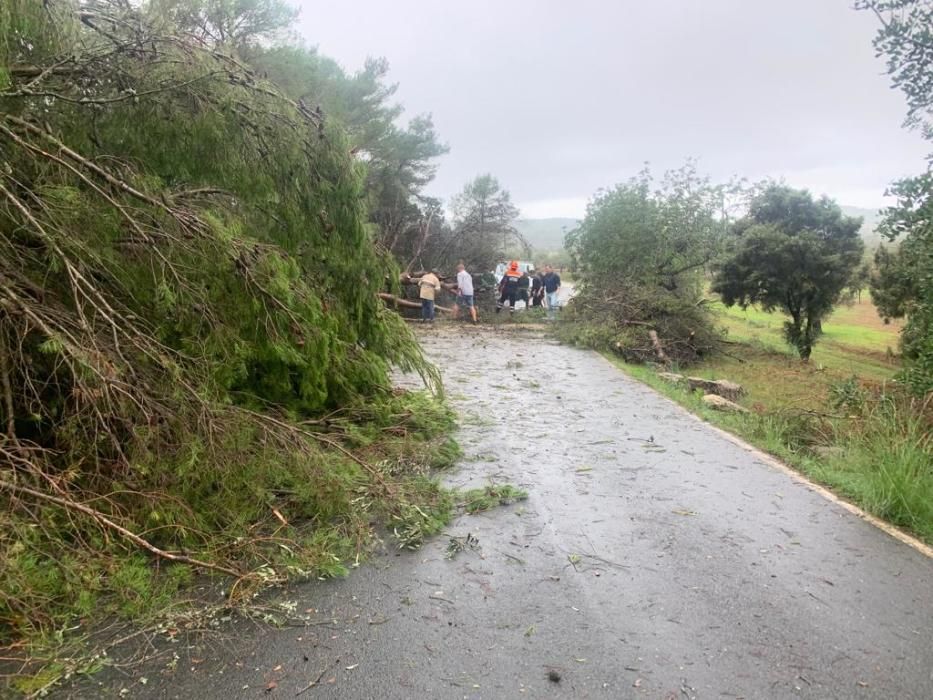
465, 292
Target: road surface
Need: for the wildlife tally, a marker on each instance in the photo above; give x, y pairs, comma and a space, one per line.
655, 558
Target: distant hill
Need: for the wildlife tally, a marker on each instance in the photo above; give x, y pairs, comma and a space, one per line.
548, 234
545, 234
872, 217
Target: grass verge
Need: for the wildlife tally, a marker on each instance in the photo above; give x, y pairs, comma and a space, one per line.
876, 450
841, 418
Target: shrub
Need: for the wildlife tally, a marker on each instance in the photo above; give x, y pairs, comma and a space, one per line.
640, 256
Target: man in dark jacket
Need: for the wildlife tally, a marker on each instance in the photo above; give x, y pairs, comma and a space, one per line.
537, 290
552, 289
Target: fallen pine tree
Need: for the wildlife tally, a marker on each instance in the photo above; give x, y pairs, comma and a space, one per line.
641, 326
194, 359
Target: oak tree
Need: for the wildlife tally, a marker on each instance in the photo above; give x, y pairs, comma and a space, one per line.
795, 254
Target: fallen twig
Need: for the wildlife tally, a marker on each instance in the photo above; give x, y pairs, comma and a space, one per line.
104, 520
318, 679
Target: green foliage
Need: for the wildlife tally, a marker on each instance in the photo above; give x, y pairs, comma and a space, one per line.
641, 253
225, 497
483, 227
659, 238
794, 254
860, 280
309, 265
904, 41
903, 283
478, 500
884, 462
903, 286
399, 160
227, 23
191, 345
26, 32
414, 523
848, 395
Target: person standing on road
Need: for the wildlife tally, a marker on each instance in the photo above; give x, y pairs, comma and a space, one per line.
465, 292
551, 288
537, 290
524, 289
508, 287
428, 285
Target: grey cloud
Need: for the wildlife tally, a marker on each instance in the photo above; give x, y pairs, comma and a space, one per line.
558, 99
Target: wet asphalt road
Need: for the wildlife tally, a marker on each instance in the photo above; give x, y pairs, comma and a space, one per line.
654, 558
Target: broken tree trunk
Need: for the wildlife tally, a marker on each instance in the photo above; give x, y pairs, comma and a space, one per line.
398, 301
424, 227
415, 278
656, 344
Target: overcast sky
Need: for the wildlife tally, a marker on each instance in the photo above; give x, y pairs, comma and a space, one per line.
558, 98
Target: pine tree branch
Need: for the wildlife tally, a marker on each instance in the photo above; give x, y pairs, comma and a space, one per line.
127, 534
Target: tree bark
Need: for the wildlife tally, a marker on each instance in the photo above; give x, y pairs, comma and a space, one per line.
425, 227
398, 301
656, 344
414, 277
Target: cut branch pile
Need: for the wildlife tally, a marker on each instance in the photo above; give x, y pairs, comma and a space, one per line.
642, 325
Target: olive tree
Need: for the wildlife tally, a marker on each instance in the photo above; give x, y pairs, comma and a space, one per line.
794, 254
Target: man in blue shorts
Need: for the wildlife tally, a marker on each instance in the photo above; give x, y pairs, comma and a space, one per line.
465, 291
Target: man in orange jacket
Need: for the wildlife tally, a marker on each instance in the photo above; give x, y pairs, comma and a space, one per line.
508, 287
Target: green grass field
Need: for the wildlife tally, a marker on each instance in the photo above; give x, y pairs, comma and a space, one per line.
855, 342
854, 337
